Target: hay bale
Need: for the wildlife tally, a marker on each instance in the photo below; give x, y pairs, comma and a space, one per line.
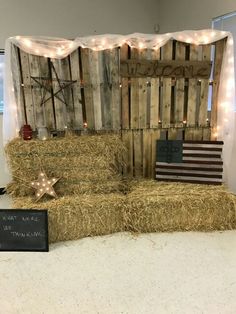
81, 216
86, 164
158, 206
150, 206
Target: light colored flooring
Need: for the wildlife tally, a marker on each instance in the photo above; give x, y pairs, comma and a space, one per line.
150, 273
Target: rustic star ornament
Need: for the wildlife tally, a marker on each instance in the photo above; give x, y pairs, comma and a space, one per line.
44, 185
47, 86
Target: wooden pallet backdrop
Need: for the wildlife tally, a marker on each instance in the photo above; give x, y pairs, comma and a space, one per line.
142, 108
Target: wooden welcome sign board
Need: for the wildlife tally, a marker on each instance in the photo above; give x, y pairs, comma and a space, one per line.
178, 69
23, 230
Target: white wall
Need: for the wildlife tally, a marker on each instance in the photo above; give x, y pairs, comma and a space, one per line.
71, 18
191, 14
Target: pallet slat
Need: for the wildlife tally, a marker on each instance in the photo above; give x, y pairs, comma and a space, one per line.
96, 92
115, 93
219, 51
88, 89
124, 91
29, 108
155, 95
167, 51
76, 90
134, 101
203, 106
180, 85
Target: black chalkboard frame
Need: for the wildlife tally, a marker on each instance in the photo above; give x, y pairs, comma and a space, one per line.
27, 211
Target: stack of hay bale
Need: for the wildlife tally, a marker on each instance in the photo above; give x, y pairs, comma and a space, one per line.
94, 199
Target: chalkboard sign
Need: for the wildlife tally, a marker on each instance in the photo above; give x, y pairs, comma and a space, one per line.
23, 230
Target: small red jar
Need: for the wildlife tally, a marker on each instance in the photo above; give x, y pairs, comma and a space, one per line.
26, 132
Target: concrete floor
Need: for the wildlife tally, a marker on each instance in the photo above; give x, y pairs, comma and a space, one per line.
151, 273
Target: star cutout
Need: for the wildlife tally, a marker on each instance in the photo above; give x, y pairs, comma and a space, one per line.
46, 84
44, 186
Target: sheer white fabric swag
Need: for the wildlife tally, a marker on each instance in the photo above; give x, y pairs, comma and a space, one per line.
60, 48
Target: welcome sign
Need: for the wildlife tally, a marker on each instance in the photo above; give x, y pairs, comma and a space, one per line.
175, 69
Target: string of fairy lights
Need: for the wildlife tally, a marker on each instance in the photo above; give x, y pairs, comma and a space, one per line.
60, 48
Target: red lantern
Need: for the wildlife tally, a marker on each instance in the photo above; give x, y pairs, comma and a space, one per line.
26, 132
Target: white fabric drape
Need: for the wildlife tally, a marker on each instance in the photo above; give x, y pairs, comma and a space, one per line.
60, 48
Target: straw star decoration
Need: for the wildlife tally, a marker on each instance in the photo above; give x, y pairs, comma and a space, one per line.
44, 186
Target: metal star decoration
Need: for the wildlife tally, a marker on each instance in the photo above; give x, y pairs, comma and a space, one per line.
46, 84
44, 186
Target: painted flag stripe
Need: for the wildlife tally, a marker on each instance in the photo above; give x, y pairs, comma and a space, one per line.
176, 177
193, 171
200, 148
191, 181
184, 167
185, 164
192, 174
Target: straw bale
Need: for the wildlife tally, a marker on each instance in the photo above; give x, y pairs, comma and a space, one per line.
88, 163
80, 216
158, 206
150, 206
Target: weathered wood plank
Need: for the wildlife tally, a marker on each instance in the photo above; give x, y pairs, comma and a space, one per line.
147, 153
219, 52
88, 90
167, 50
203, 106
155, 95
143, 53
179, 89
115, 92
138, 150
127, 139
67, 92
95, 80
172, 133
47, 97
29, 107
76, 90
192, 92
195, 134
18, 88
206, 134
36, 92
106, 89
60, 107
124, 91
134, 105
155, 135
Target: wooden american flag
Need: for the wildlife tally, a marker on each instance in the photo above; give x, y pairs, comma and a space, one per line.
201, 163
